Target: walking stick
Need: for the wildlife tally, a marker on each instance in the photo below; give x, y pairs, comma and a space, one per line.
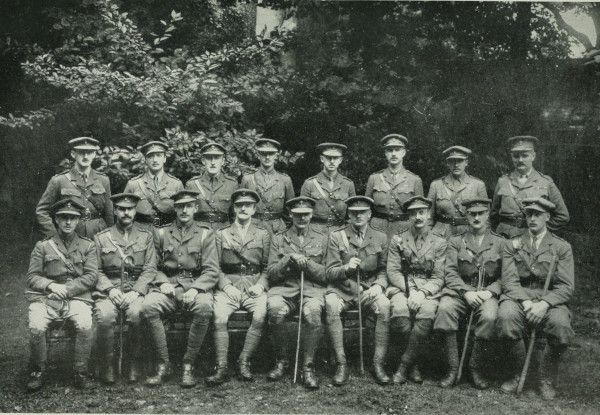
480, 277
299, 325
124, 275
533, 332
360, 324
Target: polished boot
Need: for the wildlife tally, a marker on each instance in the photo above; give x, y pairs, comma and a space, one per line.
243, 370
137, 342
516, 353
83, 348
336, 338
309, 377
475, 364
452, 360
162, 373
134, 371
222, 348
549, 370
36, 379
341, 374
278, 371
401, 375
38, 350
108, 373
220, 376
382, 333
253, 337
188, 379
408, 357
106, 335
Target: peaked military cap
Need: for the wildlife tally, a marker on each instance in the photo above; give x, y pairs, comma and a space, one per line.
185, 196
332, 149
522, 143
84, 143
67, 207
417, 202
212, 148
154, 147
245, 196
359, 203
394, 140
457, 152
266, 145
477, 204
126, 200
301, 204
539, 203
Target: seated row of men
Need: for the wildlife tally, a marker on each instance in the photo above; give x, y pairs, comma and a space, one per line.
389, 188
413, 284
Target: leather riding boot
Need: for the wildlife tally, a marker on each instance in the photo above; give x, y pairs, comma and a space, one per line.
36, 378
401, 375
407, 359
549, 370
341, 374
221, 347
475, 364
535, 366
336, 339
243, 370
310, 378
278, 371
37, 359
516, 353
137, 341
220, 376
188, 379
400, 332
452, 359
105, 342
83, 348
162, 373
382, 333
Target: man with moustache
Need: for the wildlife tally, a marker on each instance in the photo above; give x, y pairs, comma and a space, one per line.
62, 272
508, 214
448, 193
416, 255
523, 305
188, 273
214, 188
113, 245
470, 254
82, 184
299, 249
329, 188
243, 250
393, 186
154, 188
357, 248
274, 188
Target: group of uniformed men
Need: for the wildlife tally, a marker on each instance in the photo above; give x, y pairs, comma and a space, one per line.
418, 263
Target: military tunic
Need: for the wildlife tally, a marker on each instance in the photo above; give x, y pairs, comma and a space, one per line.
274, 190
155, 207
79, 275
425, 268
93, 195
463, 257
214, 201
448, 216
109, 246
330, 211
390, 191
524, 271
507, 213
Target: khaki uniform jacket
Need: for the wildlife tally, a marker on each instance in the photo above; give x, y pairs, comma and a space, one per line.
216, 197
524, 271
284, 275
140, 245
403, 185
505, 203
447, 197
93, 195
373, 255
193, 253
155, 200
425, 266
46, 267
342, 189
255, 251
464, 256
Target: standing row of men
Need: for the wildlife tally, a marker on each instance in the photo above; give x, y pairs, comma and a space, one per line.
402, 288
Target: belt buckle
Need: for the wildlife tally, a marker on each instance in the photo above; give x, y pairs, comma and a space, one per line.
125, 276
87, 214
242, 269
211, 218
390, 217
156, 221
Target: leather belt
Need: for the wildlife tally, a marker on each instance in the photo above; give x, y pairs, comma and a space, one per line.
532, 283
453, 220
518, 221
90, 215
268, 215
177, 273
240, 269
212, 217
156, 220
328, 221
391, 217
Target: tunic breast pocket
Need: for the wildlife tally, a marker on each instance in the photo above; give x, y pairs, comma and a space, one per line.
537, 191
194, 251
110, 257
314, 252
404, 190
464, 257
53, 265
70, 193
165, 194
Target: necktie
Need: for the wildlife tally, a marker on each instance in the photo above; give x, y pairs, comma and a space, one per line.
301, 238
156, 182
419, 242
126, 236
84, 176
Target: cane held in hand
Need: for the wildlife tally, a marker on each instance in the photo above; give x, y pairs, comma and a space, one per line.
299, 325
127, 261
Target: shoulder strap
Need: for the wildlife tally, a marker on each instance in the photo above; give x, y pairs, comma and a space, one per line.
453, 200
235, 251
260, 194
322, 193
116, 246
144, 190
201, 190
390, 189
70, 178
345, 240
385, 183
514, 196
290, 243
64, 259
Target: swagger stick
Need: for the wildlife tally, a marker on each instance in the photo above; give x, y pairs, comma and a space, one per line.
299, 325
